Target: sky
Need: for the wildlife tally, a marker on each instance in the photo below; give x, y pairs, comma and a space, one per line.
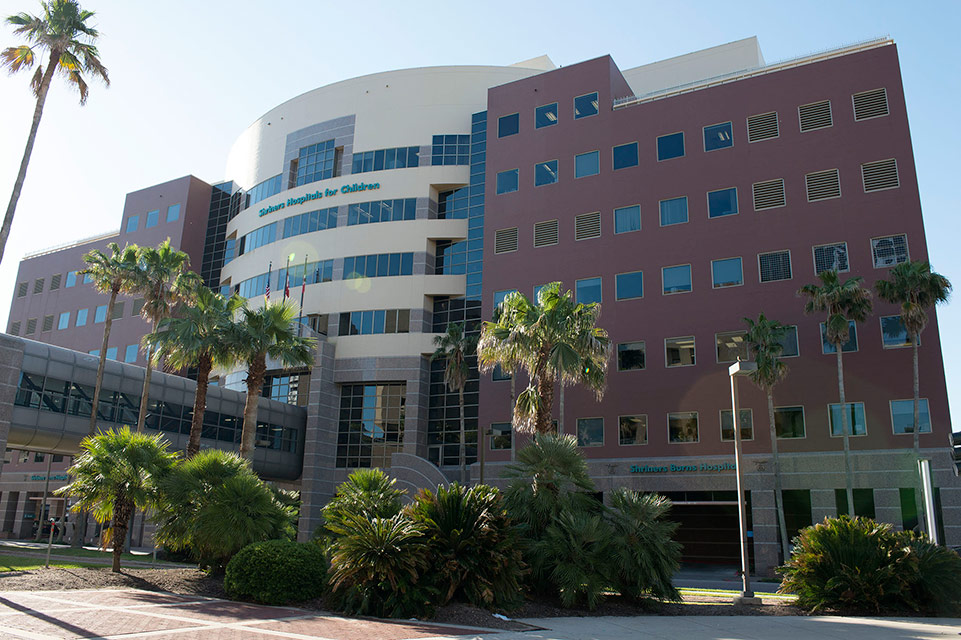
188, 77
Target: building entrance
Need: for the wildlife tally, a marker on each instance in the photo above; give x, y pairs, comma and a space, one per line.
709, 532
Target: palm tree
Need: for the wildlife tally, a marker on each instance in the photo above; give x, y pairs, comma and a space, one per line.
764, 338
64, 34
113, 274
843, 302
163, 281
454, 347
261, 333
915, 287
118, 472
554, 340
198, 338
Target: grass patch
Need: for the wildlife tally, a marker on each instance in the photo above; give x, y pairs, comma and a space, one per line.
80, 553
23, 563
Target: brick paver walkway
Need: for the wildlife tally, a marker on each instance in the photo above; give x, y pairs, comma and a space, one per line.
131, 613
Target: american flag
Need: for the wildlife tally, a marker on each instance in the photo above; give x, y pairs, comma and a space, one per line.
286, 284
270, 267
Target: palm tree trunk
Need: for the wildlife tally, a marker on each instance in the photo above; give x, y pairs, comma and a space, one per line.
776, 464
848, 474
142, 416
256, 371
918, 491
513, 401
560, 416
28, 150
200, 404
108, 323
463, 436
545, 389
122, 510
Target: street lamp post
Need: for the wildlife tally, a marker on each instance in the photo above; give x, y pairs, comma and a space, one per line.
739, 369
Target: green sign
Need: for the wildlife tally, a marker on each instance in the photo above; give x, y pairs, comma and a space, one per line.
317, 195
62, 476
704, 467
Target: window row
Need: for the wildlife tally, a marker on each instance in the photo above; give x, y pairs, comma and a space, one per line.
152, 218
546, 115
56, 281
450, 150
382, 159
62, 321
357, 323
315, 162
320, 271
129, 354
371, 424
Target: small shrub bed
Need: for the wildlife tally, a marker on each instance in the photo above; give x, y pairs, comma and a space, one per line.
277, 572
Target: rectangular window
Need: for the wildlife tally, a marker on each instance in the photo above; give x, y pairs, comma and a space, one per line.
501, 433
81, 317
722, 202
863, 502
22, 289
789, 344
902, 416
587, 164
774, 266
670, 146
500, 296
588, 290
585, 105
64, 321
55, 281
38, 285
627, 219
153, 218
587, 226
112, 353
893, 333
31, 326
505, 240
499, 375
87, 278
633, 429
508, 125
746, 423
676, 279
855, 416
118, 310
173, 213
816, 115
545, 173
769, 194
100, 315
850, 345
789, 422
727, 273
679, 352
831, 257
545, 116
15, 328
132, 223
880, 175
590, 432
628, 286
823, 185
870, 104
545, 233
718, 136
909, 509
507, 181
888, 251
763, 126
673, 211
137, 307
731, 345
630, 356
71, 279
625, 155
682, 427
130, 353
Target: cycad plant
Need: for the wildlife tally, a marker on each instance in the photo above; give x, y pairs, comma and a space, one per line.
454, 347
842, 301
369, 493
645, 557
576, 555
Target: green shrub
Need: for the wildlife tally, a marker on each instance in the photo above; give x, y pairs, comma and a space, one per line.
368, 493
575, 552
937, 587
645, 555
473, 545
277, 572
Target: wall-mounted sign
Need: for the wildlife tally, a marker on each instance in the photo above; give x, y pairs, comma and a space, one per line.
703, 467
61, 476
317, 195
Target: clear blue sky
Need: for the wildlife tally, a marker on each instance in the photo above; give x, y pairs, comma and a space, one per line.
188, 77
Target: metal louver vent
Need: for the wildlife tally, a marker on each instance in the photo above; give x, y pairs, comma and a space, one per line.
769, 194
880, 175
587, 225
47, 323
774, 266
831, 257
545, 233
118, 310
823, 185
31, 326
870, 104
762, 127
38, 285
505, 240
22, 289
816, 115
888, 251
55, 282
15, 329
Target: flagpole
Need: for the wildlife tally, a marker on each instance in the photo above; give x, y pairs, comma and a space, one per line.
287, 280
270, 267
303, 288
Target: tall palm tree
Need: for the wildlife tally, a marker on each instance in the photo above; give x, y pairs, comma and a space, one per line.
163, 281
63, 33
843, 301
454, 347
915, 287
198, 337
118, 472
112, 274
764, 338
261, 333
554, 340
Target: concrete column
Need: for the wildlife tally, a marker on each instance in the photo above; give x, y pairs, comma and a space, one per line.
764, 519
318, 480
887, 507
823, 505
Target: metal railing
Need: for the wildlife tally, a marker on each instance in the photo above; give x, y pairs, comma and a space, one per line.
73, 243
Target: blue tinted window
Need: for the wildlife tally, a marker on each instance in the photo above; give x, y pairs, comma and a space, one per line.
94, 352
396, 158
81, 317
507, 181
850, 345
132, 223
445, 150
587, 164
670, 146
677, 279
545, 173
545, 116
500, 295
590, 432
130, 353
585, 105
71, 279
722, 202
101, 314
112, 353
673, 211
856, 423
315, 162
718, 136
893, 333
627, 219
727, 272
588, 290
508, 125
173, 212
629, 285
87, 278
625, 155
265, 189
64, 320
153, 218
902, 416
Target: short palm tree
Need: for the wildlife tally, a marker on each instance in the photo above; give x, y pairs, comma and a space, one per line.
112, 274
262, 333
764, 338
843, 301
553, 340
64, 34
119, 471
198, 337
163, 281
454, 347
